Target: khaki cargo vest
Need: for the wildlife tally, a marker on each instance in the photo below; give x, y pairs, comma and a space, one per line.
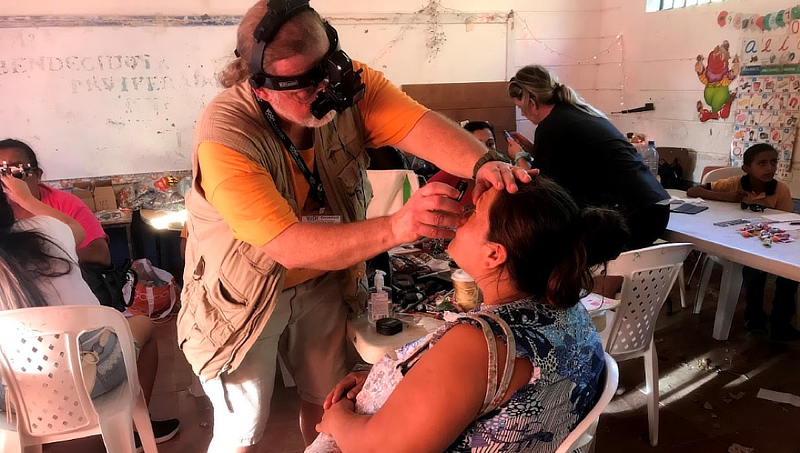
230, 286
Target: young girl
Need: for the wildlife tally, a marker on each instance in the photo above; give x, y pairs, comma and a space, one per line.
530, 253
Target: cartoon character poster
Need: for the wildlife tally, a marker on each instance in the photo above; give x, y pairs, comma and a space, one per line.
717, 74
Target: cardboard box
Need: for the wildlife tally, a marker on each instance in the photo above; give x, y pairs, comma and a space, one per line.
104, 197
83, 190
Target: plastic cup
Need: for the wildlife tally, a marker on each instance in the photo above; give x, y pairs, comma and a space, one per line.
467, 294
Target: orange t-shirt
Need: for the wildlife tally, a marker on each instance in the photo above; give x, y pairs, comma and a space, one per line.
245, 195
780, 199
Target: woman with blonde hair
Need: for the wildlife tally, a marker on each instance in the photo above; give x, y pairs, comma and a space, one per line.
576, 145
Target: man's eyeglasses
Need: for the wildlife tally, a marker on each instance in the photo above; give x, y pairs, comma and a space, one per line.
755, 207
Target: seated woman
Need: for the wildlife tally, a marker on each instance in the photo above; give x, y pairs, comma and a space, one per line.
93, 249
39, 267
530, 253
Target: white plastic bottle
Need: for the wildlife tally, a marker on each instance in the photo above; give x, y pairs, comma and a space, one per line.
380, 299
650, 157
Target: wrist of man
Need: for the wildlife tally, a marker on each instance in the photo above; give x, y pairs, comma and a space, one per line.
490, 156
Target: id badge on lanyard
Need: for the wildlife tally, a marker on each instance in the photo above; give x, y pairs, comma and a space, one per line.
321, 218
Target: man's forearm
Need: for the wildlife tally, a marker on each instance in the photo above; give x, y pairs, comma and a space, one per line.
440, 140
331, 246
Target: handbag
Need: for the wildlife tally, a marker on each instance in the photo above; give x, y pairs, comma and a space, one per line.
112, 285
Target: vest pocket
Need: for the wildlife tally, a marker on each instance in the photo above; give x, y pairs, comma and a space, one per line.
206, 316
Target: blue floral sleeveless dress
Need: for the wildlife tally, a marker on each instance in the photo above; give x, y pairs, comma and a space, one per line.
567, 356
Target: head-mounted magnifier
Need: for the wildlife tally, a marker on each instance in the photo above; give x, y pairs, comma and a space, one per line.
344, 87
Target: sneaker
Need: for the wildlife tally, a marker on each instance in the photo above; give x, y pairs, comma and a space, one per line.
163, 430
784, 333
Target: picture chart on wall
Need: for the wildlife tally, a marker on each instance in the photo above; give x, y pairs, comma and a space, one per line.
767, 102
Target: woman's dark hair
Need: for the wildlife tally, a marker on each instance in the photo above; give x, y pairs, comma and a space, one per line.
473, 126
10, 143
24, 260
552, 244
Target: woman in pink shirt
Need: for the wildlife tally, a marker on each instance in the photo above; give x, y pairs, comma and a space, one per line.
94, 248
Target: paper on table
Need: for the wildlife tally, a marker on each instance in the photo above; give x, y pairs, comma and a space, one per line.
596, 302
676, 200
779, 397
784, 217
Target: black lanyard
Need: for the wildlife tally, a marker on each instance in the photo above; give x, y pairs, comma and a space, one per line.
317, 192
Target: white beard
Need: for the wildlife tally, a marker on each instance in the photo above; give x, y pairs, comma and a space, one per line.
313, 122
308, 120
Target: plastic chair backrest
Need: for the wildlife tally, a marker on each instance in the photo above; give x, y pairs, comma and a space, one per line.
40, 363
583, 434
721, 173
649, 275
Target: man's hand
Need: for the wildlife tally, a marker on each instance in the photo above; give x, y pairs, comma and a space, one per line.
500, 175
347, 388
431, 212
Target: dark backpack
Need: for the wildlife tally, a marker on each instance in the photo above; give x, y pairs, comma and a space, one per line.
107, 283
670, 174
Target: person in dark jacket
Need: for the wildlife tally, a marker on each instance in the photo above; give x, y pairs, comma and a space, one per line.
577, 146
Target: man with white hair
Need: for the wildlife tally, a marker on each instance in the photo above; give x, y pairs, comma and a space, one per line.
277, 229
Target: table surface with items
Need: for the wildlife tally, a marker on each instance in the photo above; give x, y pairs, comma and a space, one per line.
422, 292
728, 231
740, 235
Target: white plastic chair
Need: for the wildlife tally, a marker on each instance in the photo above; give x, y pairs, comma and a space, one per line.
648, 274
709, 260
584, 433
40, 364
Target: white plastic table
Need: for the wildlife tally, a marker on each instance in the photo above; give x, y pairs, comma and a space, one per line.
726, 242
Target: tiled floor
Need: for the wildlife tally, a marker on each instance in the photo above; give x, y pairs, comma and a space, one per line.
747, 363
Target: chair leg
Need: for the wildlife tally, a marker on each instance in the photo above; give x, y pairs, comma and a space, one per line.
705, 277
117, 433
10, 441
651, 380
141, 419
682, 287
700, 257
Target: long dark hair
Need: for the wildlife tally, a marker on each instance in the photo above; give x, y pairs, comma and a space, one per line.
552, 244
24, 261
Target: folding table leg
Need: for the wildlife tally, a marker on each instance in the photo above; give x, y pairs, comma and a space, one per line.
729, 290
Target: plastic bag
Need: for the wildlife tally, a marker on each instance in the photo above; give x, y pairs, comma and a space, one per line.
156, 291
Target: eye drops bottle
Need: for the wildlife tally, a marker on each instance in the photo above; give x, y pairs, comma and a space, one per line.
380, 299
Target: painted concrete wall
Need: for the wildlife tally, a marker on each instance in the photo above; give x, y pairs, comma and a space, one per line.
103, 100
658, 66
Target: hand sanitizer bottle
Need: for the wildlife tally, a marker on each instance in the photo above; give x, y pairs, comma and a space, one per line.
380, 299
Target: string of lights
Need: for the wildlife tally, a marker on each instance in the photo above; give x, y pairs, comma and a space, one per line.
588, 60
